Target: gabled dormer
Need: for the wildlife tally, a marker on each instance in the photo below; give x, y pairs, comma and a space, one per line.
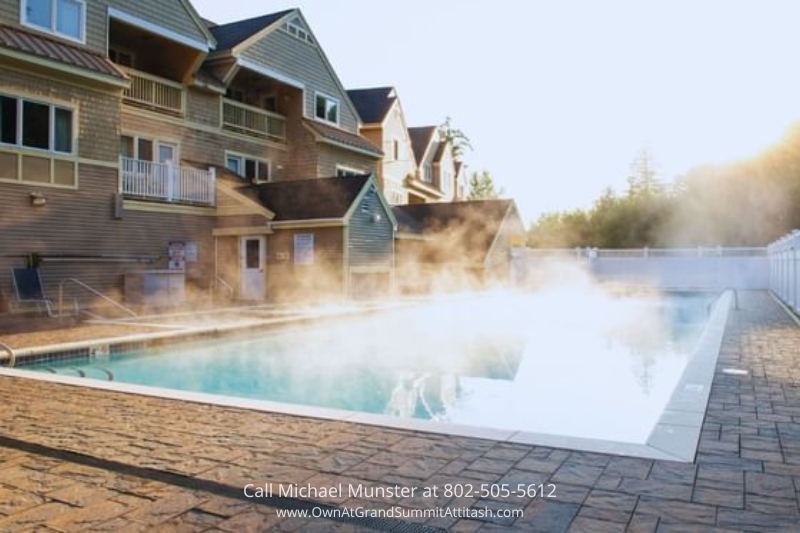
160, 45
384, 123
276, 63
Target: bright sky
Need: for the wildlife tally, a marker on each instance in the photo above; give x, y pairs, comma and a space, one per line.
558, 97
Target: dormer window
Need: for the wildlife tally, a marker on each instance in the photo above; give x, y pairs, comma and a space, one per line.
327, 109
64, 18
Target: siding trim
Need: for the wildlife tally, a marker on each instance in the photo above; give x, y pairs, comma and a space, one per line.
241, 231
266, 71
153, 207
158, 30
313, 223
62, 67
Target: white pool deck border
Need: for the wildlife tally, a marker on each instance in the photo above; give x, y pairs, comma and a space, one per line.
674, 437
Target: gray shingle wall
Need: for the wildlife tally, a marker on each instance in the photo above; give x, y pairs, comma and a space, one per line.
302, 62
170, 14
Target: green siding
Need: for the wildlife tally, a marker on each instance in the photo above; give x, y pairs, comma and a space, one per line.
370, 242
305, 63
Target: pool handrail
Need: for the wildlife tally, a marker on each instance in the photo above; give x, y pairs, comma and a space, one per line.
12, 357
94, 291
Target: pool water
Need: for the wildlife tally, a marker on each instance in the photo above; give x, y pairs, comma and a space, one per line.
594, 365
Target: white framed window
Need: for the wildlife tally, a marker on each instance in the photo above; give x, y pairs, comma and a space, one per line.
295, 29
344, 172
251, 168
37, 142
326, 108
39, 125
148, 149
65, 18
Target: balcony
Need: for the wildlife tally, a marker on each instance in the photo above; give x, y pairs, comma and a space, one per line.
252, 121
154, 93
166, 183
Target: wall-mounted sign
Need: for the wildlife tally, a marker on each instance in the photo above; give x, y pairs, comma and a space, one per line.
177, 257
304, 249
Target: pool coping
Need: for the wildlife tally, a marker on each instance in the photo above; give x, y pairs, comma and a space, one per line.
674, 437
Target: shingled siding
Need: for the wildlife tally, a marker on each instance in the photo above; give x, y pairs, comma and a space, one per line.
200, 144
324, 280
98, 112
303, 62
203, 108
329, 157
80, 225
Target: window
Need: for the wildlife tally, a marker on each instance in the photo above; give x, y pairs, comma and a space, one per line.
327, 109
427, 174
344, 172
65, 18
296, 29
396, 150
137, 148
46, 130
35, 125
252, 169
121, 57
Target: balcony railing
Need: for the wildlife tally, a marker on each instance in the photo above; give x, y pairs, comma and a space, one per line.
152, 92
253, 121
167, 183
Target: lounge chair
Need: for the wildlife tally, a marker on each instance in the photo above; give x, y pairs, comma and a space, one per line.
29, 289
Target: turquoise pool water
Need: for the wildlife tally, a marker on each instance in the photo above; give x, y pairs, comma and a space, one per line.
597, 366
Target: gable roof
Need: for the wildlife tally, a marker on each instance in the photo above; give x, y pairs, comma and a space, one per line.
472, 226
342, 138
311, 199
373, 104
234, 33
44, 47
420, 140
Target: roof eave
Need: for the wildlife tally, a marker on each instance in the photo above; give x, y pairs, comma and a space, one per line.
122, 82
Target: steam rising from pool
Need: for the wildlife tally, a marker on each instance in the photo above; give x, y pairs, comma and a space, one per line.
571, 358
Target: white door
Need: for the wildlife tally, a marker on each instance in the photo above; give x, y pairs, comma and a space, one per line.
167, 156
253, 258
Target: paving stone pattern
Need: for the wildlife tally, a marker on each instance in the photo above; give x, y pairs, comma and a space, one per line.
746, 476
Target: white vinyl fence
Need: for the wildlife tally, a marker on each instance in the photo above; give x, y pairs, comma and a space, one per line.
784, 269
667, 268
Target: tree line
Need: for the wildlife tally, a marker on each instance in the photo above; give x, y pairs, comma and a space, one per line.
746, 203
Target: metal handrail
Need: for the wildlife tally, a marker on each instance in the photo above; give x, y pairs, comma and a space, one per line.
12, 357
219, 280
93, 291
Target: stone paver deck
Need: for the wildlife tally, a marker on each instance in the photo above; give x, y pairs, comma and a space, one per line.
74, 459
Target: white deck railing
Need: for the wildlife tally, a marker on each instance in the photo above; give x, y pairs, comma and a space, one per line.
252, 121
153, 92
165, 182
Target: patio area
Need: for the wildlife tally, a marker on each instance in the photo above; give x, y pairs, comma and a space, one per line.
77, 459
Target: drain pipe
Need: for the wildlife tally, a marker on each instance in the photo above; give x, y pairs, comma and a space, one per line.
11, 358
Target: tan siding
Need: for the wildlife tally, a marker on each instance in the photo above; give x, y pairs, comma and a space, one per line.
393, 171
81, 223
198, 145
203, 108
302, 62
321, 281
98, 112
331, 156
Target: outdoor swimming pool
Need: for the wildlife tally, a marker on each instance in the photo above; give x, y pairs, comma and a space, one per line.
594, 367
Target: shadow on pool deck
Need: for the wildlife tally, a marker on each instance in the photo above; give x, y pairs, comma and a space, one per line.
74, 459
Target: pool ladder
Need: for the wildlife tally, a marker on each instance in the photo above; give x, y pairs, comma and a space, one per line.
12, 357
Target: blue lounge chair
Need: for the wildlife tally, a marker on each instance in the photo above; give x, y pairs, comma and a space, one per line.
29, 289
